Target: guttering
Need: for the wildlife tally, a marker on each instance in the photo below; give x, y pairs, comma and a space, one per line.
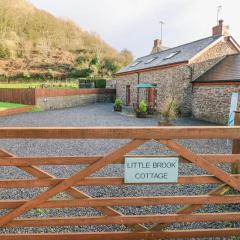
151, 68
219, 82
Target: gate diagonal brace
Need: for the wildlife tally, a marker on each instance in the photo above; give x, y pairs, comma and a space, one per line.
220, 190
73, 192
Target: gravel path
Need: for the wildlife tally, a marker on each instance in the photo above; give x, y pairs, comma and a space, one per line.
102, 115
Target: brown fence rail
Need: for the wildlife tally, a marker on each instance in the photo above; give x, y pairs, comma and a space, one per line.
44, 92
167, 136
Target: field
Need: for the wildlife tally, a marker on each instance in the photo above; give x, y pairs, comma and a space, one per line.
72, 84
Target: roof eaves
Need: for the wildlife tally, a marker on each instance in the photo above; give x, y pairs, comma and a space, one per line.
234, 42
160, 67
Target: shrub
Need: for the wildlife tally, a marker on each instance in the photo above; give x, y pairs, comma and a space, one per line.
142, 106
4, 52
100, 83
82, 73
82, 80
118, 102
170, 109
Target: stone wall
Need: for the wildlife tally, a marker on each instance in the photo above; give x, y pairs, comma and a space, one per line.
217, 51
210, 57
121, 84
59, 102
212, 102
171, 83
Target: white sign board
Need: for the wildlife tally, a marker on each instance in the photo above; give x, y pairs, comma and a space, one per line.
151, 170
233, 108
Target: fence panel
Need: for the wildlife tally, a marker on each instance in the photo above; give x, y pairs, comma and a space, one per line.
14, 95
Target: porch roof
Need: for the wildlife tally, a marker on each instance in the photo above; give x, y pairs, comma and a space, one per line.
145, 85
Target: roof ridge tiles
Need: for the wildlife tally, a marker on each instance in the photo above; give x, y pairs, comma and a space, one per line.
216, 37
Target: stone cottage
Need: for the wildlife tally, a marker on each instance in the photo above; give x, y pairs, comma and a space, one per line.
213, 89
178, 73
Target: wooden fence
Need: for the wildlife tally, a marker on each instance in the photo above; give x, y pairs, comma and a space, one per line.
29, 95
167, 136
15, 95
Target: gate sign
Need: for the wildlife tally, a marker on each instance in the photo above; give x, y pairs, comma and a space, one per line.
233, 108
151, 170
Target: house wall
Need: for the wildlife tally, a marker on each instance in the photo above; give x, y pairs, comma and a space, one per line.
171, 83
122, 82
174, 81
212, 102
210, 57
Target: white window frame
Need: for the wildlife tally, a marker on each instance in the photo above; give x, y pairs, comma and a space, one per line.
172, 54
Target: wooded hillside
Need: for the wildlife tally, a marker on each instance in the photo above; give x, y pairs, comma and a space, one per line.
35, 43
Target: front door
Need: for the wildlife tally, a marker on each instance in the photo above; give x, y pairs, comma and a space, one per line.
151, 96
128, 95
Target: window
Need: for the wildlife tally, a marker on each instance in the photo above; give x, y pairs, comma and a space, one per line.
171, 55
135, 63
151, 60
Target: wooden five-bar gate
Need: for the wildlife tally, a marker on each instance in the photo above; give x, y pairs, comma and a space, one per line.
137, 224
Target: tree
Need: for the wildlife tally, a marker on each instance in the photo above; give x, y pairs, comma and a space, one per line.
110, 66
126, 57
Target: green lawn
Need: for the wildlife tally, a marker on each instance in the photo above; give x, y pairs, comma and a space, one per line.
6, 105
19, 85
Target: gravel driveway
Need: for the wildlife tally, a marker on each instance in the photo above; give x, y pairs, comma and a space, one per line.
102, 115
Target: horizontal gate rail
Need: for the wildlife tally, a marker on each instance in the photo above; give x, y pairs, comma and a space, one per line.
148, 219
136, 136
128, 201
128, 235
69, 160
106, 181
163, 133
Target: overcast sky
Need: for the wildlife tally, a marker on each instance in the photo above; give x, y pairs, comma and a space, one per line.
134, 24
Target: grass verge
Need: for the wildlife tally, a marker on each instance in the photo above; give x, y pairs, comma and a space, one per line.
6, 105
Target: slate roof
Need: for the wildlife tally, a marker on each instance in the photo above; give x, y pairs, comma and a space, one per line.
183, 53
228, 69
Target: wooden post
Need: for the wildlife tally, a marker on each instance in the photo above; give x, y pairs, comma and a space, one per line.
235, 169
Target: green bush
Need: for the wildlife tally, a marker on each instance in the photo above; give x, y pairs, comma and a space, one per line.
82, 73
100, 83
82, 80
118, 102
4, 52
142, 106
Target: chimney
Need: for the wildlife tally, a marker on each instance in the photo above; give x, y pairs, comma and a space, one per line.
156, 46
220, 29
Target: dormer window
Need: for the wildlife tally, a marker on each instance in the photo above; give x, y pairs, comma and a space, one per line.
151, 60
135, 63
171, 55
